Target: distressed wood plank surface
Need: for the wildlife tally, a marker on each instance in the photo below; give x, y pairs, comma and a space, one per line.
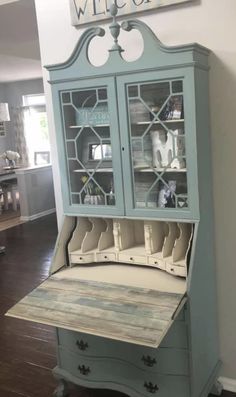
132, 314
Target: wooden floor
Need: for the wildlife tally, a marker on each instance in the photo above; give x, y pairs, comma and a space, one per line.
9, 218
27, 350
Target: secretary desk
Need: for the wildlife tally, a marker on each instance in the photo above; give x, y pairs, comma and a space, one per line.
131, 289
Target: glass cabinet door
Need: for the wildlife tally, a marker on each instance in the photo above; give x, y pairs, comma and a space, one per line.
89, 149
157, 143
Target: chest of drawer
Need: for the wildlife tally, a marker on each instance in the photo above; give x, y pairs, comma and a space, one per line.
164, 360
140, 382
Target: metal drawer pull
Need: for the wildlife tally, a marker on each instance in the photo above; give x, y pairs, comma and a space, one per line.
84, 370
150, 387
82, 345
148, 361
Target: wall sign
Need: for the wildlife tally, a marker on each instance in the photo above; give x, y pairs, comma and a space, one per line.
88, 11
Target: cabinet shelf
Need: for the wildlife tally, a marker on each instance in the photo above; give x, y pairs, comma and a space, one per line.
169, 170
108, 170
88, 126
160, 122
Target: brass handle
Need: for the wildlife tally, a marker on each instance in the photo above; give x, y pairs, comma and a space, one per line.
84, 370
82, 345
150, 387
148, 361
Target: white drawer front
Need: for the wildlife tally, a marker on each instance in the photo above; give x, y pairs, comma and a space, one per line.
159, 263
139, 259
82, 258
105, 257
176, 270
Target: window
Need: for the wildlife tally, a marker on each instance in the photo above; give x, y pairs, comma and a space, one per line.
36, 129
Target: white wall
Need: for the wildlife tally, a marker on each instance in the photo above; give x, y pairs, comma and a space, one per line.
212, 24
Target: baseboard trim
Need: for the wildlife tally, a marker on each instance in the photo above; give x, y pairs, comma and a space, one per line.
36, 216
228, 384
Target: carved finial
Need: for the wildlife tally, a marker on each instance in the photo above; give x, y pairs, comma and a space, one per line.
115, 29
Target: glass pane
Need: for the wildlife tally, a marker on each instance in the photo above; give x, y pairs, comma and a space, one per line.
88, 145
177, 86
66, 97
157, 137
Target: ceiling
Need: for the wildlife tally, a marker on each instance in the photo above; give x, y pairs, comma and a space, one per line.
19, 44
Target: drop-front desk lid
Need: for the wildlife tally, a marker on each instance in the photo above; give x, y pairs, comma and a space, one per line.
127, 303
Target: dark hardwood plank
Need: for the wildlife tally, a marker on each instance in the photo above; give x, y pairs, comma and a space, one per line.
27, 350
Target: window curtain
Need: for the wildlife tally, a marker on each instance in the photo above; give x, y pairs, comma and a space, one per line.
19, 135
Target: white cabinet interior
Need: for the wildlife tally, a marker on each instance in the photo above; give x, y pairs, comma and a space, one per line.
164, 245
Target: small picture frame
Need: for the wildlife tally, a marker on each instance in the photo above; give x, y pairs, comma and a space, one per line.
41, 158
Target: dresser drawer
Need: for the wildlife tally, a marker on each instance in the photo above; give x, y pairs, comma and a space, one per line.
126, 258
82, 258
162, 360
105, 257
159, 263
101, 370
176, 270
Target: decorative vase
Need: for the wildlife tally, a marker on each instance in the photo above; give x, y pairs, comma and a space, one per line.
97, 199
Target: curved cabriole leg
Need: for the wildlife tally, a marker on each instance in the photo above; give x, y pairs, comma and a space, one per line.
217, 388
62, 389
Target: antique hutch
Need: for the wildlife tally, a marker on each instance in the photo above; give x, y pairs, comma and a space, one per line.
132, 285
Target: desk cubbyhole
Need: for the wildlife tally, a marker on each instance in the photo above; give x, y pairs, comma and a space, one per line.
182, 243
83, 226
154, 232
129, 241
84, 243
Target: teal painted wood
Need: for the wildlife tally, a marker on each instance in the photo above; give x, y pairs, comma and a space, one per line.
177, 61
69, 208
202, 275
192, 212
175, 386
78, 65
172, 359
189, 62
101, 371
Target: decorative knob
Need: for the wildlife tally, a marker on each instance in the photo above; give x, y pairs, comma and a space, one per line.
82, 345
148, 361
150, 387
84, 370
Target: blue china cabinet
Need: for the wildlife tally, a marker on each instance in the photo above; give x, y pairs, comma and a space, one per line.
132, 285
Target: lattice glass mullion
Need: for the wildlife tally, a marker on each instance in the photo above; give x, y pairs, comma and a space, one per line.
157, 139
88, 146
